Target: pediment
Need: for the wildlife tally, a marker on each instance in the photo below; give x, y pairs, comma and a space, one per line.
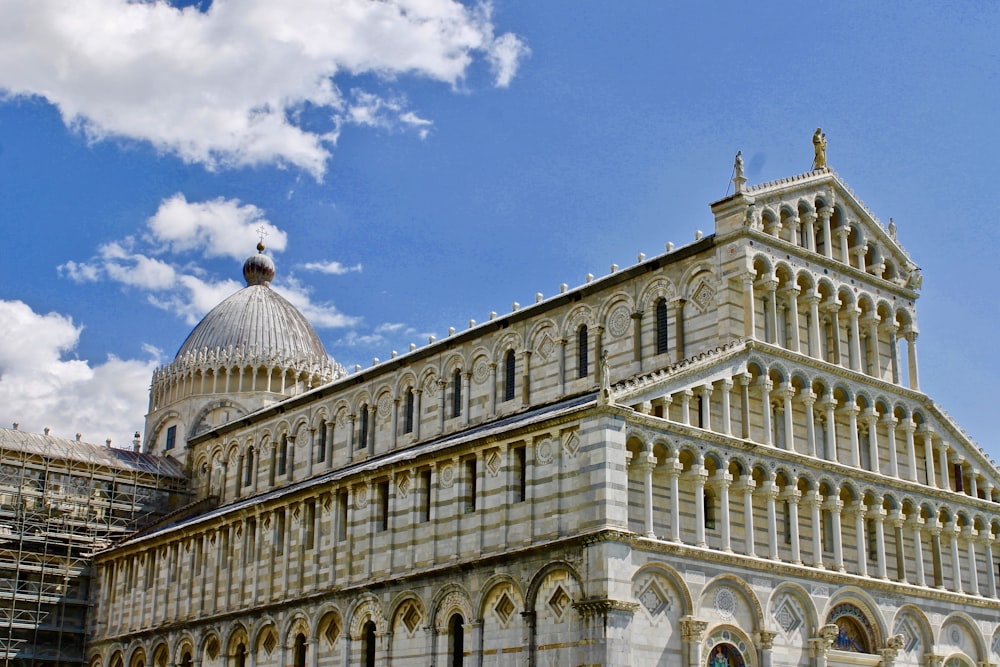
778, 206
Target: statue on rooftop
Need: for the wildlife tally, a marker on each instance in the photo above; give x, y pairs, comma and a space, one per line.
819, 149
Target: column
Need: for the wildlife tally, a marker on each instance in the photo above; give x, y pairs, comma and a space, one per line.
787, 391
808, 400
815, 501
646, 463
890, 428
727, 422
745, 405
747, 486
809, 227
706, 407
854, 344
874, 358
442, 393
824, 217
945, 481
991, 577
637, 340
852, 411
793, 496
829, 404
466, 391
791, 295
562, 364
674, 468
814, 340
928, 437
914, 522
891, 327
394, 422
845, 254
832, 307
417, 396
493, 388
870, 419
770, 490
956, 565
911, 359
686, 395
526, 375
765, 385
699, 474
723, 479
678, 305
970, 543
859, 530
749, 319
911, 451
771, 325
877, 514
895, 520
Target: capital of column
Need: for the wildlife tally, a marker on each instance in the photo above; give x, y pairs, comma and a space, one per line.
765, 639
807, 397
785, 389
834, 504
792, 495
869, 417
692, 629
849, 410
812, 298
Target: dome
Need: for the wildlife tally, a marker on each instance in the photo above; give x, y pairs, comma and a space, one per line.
257, 321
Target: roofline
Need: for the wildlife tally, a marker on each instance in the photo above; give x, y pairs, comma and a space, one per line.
497, 324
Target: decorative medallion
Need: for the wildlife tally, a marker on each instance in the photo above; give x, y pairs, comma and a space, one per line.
430, 384
571, 443
619, 321
725, 603
955, 636
543, 451
654, 599
504, 608
996, 645
787, 615
493, 462
703, 296
447, 475
385, 407
361, 497
481, 371
545, 346
403, 483
332, 631
411, 617
559, 602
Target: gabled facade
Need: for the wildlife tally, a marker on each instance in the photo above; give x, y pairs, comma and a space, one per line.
719, 456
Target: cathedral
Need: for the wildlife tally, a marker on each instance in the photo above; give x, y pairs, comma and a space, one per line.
719, 456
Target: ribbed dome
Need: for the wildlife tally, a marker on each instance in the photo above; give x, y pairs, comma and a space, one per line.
256, 320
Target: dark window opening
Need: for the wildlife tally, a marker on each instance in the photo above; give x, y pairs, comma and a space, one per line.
408, 422
383, 506
509, 369
171, 438
520, 481
581, 352
470, 485
662, 339
456, 640
456, 394
368, 648
363, 435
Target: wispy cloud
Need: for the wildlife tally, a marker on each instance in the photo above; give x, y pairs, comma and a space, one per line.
162, 262
331, 267
180, 78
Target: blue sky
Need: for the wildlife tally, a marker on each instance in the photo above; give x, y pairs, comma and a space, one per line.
419, 164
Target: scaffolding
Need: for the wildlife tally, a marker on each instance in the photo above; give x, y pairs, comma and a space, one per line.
61, 501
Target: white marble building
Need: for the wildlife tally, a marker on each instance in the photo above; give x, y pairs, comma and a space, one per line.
718, 456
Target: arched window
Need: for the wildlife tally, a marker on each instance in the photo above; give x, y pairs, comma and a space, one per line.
241, 655
283, 455
186, 659
456, 640
662, 336
363, 433
581, 352
456, 393
248, 471
368, 648
300, 650
321, 442
509, 368
408, 420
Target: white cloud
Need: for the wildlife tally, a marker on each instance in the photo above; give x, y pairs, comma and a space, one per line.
217, 228
158, 262
333, 268
228, 86
40, 387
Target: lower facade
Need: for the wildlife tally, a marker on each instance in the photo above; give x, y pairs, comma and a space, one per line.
608, 598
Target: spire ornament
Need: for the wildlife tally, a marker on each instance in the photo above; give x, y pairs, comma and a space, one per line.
819, 150
739, 180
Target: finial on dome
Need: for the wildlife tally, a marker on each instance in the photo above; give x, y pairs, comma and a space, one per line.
259, 269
